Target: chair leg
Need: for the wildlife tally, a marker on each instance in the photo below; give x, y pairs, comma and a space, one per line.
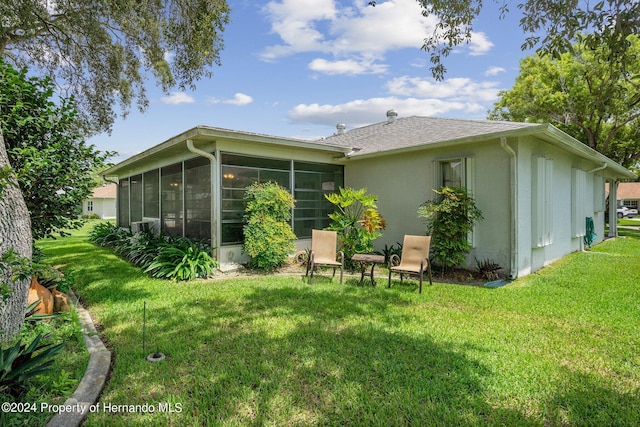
311, 277
420, 283
341, 273
389, 285
429, 270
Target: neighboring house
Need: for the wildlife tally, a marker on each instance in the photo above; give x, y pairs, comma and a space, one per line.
535, 184
102, 202
628, 194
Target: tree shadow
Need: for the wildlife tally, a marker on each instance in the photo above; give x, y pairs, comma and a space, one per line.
324, 365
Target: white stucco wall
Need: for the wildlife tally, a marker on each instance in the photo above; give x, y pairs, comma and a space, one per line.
104, 208
404, 181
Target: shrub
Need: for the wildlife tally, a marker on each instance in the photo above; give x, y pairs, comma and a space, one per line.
183, 259
450, 218
167, 257
21, 362
357, 221
268, 238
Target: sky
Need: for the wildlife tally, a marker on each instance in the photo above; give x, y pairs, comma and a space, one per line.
296, 68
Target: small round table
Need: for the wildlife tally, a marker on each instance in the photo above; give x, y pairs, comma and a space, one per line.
365, 259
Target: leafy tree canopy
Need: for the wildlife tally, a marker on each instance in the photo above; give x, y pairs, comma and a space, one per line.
52, 164
550, 25
583, 94
100, 52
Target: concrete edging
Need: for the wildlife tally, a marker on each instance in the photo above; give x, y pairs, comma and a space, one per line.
94, 379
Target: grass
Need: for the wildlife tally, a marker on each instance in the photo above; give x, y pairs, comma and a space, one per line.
559, 347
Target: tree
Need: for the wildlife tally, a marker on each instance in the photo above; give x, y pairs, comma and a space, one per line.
15, 234
561, 23
102, 51
583, 94
53, 165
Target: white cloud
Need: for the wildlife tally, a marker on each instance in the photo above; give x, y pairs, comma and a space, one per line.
357, 37
239, 99
494, 71
410, 96
479, 44
365, 111
177, 98
454, 89
348, 67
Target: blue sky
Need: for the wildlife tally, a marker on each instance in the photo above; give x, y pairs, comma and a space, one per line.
296, 68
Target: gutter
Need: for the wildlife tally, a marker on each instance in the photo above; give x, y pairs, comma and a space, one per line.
213, 163
514, 205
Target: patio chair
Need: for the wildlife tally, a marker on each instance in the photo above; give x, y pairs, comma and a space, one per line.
323, 253
414, 260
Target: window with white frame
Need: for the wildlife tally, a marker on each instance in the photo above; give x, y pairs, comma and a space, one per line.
456, 173
89, 205
578, 202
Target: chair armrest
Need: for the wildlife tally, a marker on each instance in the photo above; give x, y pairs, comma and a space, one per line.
394, 260
341, 257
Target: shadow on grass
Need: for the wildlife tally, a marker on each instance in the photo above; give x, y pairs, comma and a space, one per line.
289, 355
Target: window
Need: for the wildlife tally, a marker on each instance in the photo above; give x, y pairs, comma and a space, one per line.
312, 182
238, 173
89, 205
452, 173
123, 202
172, 209
198, 199
135, 198
152, 194
541, 202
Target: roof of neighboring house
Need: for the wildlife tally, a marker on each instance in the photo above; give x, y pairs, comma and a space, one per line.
628, 190
105, 192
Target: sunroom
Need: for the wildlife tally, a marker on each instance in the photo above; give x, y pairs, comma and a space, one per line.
193, 185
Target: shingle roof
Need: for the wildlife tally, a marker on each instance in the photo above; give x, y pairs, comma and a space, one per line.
628, 190
415, 131
105, 192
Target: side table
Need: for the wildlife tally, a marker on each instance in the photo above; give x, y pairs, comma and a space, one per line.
365, 259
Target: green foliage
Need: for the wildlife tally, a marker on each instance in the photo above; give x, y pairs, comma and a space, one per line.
388, 251
357, 221
167, 257
53, 166
583, 94
21, 362
552, 26
450, 218
104, 52
182, 259
268, 238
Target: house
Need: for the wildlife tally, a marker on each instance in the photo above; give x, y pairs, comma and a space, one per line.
535, 184
102, 202
628, 194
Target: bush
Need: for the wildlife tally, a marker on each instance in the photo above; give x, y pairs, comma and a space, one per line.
357, 221
165, 257
268, 238
450, 218
183, 259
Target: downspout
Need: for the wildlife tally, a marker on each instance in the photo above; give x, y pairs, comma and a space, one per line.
596, 169
514, 205
213, 163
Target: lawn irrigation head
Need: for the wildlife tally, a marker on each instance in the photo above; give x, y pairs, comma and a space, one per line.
153, 357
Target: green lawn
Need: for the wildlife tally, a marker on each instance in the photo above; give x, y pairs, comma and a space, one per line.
556, 348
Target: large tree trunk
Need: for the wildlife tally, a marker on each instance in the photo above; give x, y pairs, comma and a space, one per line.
15, 232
